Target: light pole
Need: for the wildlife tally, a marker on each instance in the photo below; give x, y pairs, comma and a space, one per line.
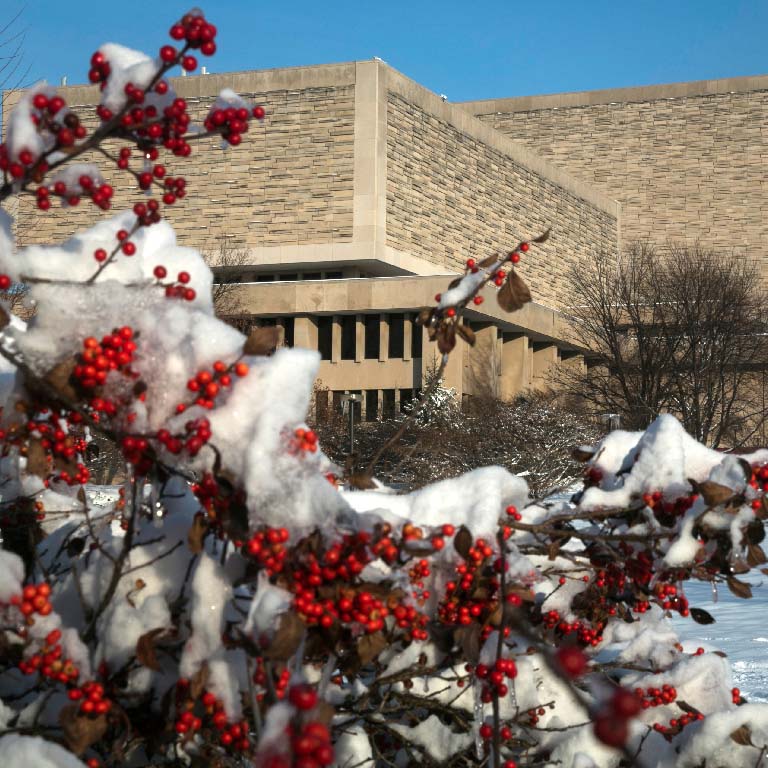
348, 401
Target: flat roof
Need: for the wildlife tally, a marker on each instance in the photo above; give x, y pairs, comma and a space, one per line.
694, 88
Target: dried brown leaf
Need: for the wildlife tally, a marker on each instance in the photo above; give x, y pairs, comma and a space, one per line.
755, 531
554, 548
462, 541
514, 294
262, 341
488, 261
743, 736
466, 333
687, 707
5, 318
700, 616
370, 646
581, 453
543, 237
287, 639
80, 731
755, 555
197, 533
198, 682
37, 459
468, 639
59, 378
362, 481
739, 588
446, 337
713, 493
146, 652
424, 317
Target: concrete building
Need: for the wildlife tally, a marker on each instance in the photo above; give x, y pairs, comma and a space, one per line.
363, 192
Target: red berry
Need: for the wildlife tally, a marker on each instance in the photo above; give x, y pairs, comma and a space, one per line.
302, 696
611, 729
625, 703
572, 660
168, 53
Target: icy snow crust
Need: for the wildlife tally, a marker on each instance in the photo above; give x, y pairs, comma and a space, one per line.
252, 425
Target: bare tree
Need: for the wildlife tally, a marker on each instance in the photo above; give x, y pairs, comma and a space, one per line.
678, 331
227, 260
14, 67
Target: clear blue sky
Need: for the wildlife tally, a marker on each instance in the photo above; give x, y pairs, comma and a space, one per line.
467, 50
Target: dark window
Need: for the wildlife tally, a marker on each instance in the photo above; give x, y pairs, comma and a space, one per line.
415, 340
288, 276
372, 337
348, 337
337, 400
396, 337
388, 403
371, 404
334, 275
406, 395
264, 278
324, 337
289, 327
311, 276
357, 407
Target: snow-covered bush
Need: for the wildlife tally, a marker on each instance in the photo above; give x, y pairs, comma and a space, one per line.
228, 605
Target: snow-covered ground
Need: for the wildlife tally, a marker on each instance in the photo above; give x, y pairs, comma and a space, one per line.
740, 630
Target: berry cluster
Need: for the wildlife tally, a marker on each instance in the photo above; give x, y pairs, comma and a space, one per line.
196, 33
268, 547
206, 385
280, 680
493, 678
303, 440
114, 353
32, 600
48, 661
176, 290
91, 696
231, 122
62, 448
56, 123
464, 602
192, 715
99, 193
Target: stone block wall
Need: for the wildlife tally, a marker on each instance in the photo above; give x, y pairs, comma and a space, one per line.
289, 183
686, 161
452, 195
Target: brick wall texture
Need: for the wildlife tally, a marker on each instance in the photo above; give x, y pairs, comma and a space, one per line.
288, 183
451, 196
683, 168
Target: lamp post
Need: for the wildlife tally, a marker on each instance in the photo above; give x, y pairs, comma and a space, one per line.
348, 402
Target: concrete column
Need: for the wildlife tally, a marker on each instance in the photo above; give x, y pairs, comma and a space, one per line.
359, 339
336, 339
407, 336
379, 403
397, 401
574, 361
384, 338
481, 367
515, 365
544, 357
305, 332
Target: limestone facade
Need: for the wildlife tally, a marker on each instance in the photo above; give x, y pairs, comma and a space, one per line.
357, 200
686, 161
